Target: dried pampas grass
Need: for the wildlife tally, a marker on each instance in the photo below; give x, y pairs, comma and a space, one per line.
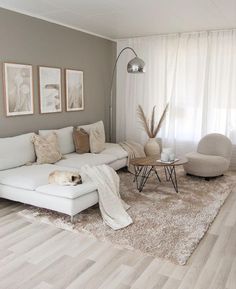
151, 127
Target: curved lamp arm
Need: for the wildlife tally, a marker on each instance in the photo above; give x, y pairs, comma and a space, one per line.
114, 68
111, 96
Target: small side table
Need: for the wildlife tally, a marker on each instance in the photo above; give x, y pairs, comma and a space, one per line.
144, 166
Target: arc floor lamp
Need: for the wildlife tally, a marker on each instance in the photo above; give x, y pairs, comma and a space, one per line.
135, 65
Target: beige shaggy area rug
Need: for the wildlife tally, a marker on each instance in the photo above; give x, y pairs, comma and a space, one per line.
166, 224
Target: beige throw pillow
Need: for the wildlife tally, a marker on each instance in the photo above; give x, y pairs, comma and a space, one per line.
96, 140
81, 141
96, 133
47, 148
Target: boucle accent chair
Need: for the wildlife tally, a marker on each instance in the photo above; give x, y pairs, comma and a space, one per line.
212, 158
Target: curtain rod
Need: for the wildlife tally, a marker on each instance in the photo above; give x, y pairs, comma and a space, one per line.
178, 33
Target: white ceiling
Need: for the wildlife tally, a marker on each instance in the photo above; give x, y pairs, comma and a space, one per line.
116, 19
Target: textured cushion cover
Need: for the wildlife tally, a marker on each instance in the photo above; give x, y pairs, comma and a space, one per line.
206, 165
16, 151
81, 141
96, 136
47, 148
65, 138
28, 177
77, 161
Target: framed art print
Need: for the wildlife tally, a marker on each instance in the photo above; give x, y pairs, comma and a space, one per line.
74, 90
49, 89
18, 89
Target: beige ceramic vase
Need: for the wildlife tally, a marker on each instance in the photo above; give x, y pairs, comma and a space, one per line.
152, 147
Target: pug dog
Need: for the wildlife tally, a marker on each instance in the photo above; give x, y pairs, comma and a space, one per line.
65, 178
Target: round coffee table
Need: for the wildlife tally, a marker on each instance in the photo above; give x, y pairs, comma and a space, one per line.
144, 166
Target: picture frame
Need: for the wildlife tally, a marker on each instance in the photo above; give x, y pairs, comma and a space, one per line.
74, 87
50, 89
18, 89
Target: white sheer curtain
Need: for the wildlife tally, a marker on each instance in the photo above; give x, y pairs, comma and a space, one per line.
195, 72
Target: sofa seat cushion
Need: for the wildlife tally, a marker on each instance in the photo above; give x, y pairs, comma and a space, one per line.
78, 160
205, 165
115, 150
28, 177
69, 192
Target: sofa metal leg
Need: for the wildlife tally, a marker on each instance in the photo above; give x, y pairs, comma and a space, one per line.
72, 219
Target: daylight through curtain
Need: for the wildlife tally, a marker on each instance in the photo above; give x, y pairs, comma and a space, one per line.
195, 72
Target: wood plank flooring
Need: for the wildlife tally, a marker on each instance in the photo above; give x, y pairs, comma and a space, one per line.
40, 256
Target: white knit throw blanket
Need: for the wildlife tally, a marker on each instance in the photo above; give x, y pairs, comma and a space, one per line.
112, 207
134, 150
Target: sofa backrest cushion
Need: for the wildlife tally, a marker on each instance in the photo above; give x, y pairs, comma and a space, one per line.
16, 151
65, 138
97, 137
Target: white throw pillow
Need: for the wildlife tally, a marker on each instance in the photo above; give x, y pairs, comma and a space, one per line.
97, 137
65, 138
16, 151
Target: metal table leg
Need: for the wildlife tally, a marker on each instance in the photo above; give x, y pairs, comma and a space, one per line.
166, 174
157, 174
145, 173
142, 174
137, 171
171, 176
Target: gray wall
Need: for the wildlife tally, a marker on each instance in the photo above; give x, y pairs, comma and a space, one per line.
24, 39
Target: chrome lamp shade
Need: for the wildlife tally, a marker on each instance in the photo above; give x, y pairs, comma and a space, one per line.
136, 65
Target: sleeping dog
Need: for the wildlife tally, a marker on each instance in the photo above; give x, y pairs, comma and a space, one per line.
65, 178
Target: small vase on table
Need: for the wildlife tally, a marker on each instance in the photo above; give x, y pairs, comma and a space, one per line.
152, 147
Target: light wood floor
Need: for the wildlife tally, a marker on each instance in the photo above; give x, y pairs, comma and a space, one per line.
40, 256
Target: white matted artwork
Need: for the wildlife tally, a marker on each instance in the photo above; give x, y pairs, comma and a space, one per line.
50, 89
74, 90
18, 88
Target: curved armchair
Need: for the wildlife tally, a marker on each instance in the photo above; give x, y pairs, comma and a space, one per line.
212, 158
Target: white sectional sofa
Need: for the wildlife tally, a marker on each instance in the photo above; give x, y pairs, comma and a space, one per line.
22, 180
